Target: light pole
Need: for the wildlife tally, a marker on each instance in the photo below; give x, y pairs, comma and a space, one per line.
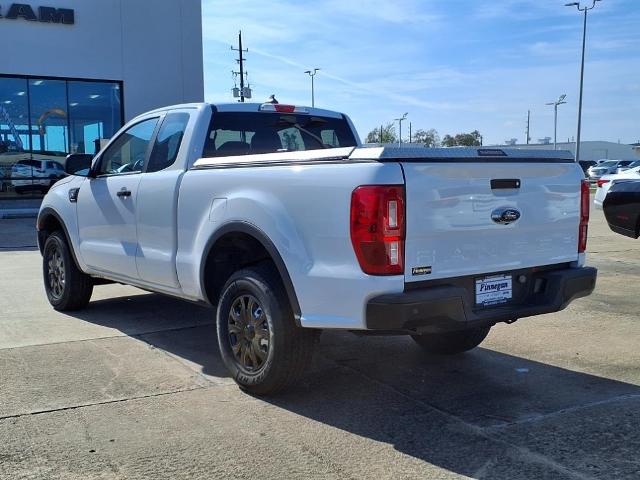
584, 41
312, 74
400, 120
555, 104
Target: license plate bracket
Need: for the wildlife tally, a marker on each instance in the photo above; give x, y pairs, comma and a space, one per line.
493, 290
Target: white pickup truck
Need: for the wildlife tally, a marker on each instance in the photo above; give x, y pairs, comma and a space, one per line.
276, 215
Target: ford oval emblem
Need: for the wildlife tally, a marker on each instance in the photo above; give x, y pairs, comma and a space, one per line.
505, 216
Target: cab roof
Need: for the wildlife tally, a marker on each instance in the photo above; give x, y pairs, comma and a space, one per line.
247, 107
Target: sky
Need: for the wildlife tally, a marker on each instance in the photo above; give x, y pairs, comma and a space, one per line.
452, 65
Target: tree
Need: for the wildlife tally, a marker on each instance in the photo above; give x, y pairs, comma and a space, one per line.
384, 134
428, 138
448, 141
473, 139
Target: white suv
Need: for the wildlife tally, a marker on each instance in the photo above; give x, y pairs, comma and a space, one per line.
37, 175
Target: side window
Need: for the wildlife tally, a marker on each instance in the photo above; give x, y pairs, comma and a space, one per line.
128, 152
291, 139
165, 150
329, 137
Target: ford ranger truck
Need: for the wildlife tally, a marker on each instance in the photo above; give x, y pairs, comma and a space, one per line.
276, 215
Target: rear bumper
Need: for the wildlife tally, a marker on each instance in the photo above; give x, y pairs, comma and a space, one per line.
447, 307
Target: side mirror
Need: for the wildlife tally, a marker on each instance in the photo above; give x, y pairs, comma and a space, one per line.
78, 164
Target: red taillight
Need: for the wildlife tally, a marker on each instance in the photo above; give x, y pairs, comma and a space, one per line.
584, 216
377, 228
602, 182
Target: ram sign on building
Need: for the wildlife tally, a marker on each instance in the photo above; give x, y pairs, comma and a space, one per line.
73, 71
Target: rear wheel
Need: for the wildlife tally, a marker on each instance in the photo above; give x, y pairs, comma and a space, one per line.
66, 286
260, 344
450, 343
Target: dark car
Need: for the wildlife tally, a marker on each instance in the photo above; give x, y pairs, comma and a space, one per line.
622, 208
585, 164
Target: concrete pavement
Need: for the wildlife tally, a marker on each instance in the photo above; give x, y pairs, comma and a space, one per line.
133, 387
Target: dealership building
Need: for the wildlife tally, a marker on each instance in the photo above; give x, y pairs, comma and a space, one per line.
75, 70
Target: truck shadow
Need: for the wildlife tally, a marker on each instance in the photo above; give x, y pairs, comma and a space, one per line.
483, 414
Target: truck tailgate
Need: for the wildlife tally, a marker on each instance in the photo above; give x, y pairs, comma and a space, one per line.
450, 231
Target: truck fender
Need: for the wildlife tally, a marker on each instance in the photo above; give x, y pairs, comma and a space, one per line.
262, 237
44, 217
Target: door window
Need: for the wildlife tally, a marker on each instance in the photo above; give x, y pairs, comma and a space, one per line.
128, 152
167, 144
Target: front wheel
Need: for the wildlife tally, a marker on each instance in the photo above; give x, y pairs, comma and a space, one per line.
450, 343
67, 287
260, 344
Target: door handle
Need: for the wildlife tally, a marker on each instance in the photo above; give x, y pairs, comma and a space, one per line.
124, 193
505, 183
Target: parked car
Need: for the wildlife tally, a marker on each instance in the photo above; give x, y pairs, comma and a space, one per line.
628, 167
585, 164
622, 208
607, 181
608, 167
38, 175
275, 214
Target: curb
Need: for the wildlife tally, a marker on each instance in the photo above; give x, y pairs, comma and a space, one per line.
18, 213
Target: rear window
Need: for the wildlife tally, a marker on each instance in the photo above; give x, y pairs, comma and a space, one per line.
246, 133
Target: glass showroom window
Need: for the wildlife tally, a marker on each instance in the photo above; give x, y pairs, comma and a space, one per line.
94, 113
14, 136
49, 129
44, 119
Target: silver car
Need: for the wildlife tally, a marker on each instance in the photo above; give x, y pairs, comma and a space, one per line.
608, 167
629, 167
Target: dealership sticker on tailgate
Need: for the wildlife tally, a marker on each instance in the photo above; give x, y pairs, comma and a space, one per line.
493, 290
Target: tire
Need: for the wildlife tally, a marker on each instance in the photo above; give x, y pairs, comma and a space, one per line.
66, 286
259, 342
451, 343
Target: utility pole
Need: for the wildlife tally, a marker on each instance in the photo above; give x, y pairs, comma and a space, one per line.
400, 120
555, 104
584, 43
240, 60
409, 132
528, 126
312, 74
